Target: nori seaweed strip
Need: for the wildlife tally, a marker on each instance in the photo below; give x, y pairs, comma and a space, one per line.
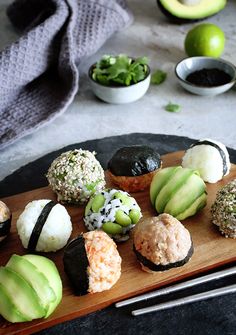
135, 160
39, 225
159, 267
221, 152
76, 262
5, 227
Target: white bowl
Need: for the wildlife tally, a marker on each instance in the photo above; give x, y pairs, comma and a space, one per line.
120, 94
192, 64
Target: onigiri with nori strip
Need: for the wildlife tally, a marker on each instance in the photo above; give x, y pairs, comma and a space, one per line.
210, 158
75, 175
92, 262
114, 212
44, 225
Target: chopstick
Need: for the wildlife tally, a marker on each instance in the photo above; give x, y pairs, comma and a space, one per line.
177, 287
186, 300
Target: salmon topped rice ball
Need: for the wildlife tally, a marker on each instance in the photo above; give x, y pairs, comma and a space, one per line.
104, 261
92, 262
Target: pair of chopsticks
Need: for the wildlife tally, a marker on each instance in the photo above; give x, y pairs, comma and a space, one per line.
177, 287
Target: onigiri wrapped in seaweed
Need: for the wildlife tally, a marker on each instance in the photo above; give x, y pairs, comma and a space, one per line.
75, 175
114, 212
92, 262
162, 243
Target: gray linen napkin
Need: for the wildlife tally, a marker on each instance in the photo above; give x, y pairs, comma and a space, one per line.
39, 72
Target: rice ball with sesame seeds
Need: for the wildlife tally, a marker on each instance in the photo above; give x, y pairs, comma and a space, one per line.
113, 211
223, 210
75, 175
92, 262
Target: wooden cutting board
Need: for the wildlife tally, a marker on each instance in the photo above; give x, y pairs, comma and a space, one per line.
211, 251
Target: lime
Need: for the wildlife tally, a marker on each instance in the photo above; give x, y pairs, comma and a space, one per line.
205, 39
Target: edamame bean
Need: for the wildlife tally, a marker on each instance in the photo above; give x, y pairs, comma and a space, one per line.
98, 202
122, 218
112, 228
134, 215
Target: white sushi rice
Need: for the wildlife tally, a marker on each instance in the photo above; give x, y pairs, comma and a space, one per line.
207, 160
56, 230
108, 211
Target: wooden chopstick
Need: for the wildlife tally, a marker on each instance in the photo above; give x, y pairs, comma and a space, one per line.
177, 287
186, 300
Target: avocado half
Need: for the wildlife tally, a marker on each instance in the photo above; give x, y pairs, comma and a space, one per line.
182, 11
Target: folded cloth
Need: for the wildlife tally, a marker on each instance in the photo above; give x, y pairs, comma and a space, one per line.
39, 73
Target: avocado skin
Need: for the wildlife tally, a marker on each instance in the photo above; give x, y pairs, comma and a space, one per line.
176, 19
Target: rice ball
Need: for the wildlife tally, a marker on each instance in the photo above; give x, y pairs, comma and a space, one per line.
44, 226
92, 262
75, 175
210, 158
223, 210
5, 221
162, 243
113, 211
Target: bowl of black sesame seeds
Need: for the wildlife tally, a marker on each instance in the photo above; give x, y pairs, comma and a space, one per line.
205, 76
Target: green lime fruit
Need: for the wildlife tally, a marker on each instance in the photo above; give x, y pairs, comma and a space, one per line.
205, 39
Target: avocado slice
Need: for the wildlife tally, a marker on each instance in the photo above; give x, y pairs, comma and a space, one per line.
8, 310
160, 179
186, 195
198, 204
48, 268
171, 187
22, 295
34, 277
181, 11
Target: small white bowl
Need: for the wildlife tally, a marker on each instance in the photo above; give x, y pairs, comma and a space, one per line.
120, 94
192, 64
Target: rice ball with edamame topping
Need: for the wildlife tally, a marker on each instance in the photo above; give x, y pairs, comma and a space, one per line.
113, 211
75, 175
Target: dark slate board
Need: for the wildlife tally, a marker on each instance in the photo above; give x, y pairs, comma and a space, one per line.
215, 316
32, 175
